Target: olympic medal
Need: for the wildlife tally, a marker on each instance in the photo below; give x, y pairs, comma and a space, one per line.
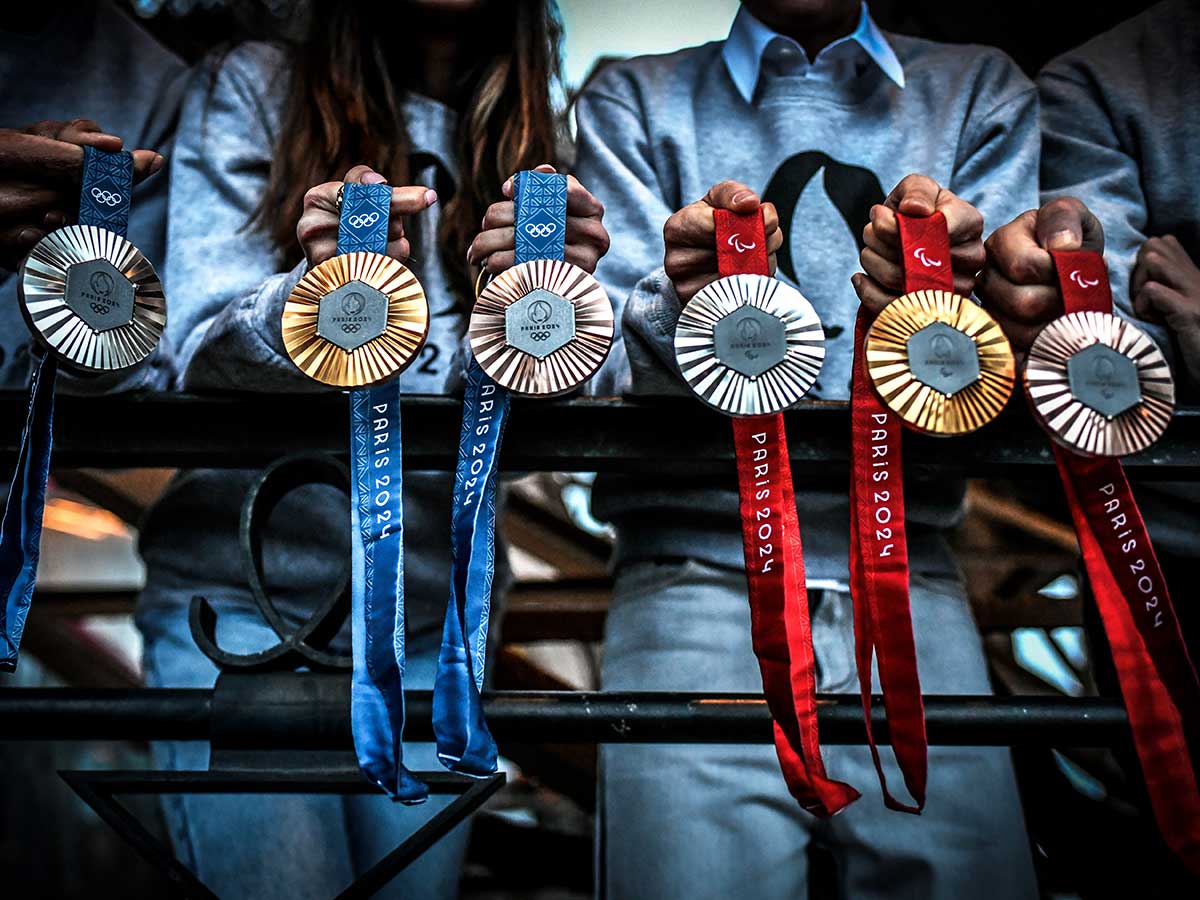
749, 345
541, 328
1099, 385
92, 299
355, 320
939, 362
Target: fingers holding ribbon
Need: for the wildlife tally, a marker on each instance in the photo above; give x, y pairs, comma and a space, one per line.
917, 196
585, 240
690, 236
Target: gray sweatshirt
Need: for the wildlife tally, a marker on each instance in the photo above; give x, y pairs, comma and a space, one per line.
655, 133
1120, 131
229, 289
92, 61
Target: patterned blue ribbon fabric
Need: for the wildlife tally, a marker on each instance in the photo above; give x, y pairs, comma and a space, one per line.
377, 541
464, 743
104, 199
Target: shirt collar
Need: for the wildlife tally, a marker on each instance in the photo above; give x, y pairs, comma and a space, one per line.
748, 38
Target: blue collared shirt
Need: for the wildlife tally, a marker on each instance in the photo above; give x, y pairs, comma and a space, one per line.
750, 43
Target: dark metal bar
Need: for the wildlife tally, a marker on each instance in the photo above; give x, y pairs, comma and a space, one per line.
322, 719
249, 430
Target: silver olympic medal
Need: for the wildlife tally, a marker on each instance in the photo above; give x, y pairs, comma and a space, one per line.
749, 345
92, 299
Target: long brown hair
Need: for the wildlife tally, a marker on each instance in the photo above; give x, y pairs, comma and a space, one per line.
344, 107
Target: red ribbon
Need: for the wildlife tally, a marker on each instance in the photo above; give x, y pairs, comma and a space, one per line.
1157, 677
879, 546
779, 623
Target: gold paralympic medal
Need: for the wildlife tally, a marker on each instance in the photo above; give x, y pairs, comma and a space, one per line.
355, 320
749, 345
541, 328
1099, 385
92, 299
940, 362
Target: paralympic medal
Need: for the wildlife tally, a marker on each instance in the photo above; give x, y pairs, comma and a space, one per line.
1101, 388
749, 345
1099, 385
936, 359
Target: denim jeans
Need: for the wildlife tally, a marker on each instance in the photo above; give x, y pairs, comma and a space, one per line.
285, 847
715, 821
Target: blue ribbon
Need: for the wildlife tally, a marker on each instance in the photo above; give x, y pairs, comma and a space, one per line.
377, 530
104, 199
464, 743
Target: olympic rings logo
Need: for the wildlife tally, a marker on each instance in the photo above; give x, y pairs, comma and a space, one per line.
108, 198
362, 220
540, 336
540, 229
351, 328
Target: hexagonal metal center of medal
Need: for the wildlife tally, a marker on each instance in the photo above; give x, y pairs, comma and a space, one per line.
99, 294
750, 341
943, 358
1104, 379
540, 323
352, 315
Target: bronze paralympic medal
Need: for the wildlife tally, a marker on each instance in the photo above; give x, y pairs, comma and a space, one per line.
355, 320
940, 362
749, 345
1099, 384
92, 299
541, 328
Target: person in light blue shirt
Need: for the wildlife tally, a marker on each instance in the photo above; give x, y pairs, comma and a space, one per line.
814, 113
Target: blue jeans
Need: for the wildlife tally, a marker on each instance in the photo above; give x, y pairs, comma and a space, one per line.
289, 847
699, 821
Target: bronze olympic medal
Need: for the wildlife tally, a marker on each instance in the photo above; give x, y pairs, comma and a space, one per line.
940, 362
92, 299
749, 345
541, 328
355, 320
1099, 385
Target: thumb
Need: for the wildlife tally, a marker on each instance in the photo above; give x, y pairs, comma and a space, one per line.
915, 195
1067, 224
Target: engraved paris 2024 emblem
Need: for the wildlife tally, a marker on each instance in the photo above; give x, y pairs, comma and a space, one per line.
540, 323
750, 341
943, 358
99, 294
352, 315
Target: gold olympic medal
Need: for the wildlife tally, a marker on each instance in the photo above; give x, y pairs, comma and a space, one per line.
92, 299
541, 328
1099, 385
749, 345
940, 362
355, 320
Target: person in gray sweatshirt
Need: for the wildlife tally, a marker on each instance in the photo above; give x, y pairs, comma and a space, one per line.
816, 113
1119, 132
445, 100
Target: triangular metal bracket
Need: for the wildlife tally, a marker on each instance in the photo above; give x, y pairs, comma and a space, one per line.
99, 790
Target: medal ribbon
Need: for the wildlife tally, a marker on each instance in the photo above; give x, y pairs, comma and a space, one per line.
1157, 677
104, 199
883, 631
465, 745
780, 628
377, 540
